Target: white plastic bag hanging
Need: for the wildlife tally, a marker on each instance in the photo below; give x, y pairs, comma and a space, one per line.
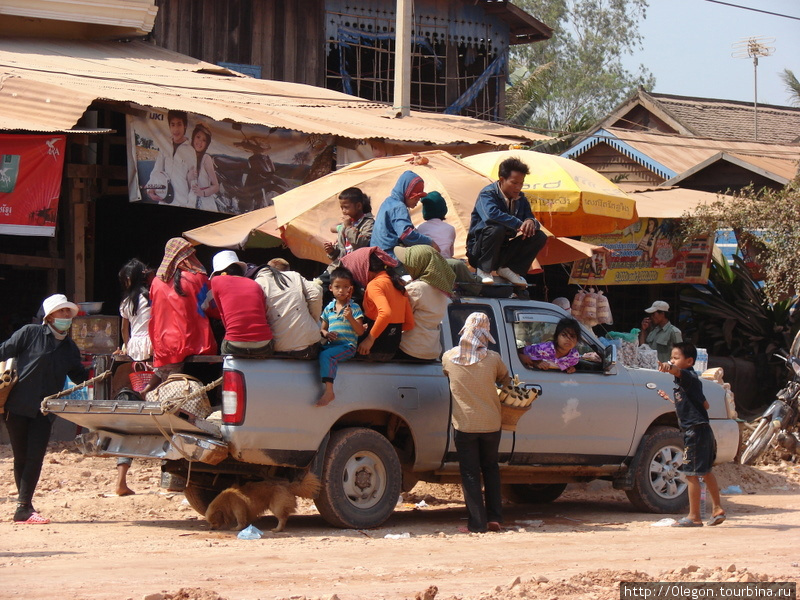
603, 309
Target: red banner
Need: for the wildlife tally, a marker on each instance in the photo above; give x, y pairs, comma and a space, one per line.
30, 183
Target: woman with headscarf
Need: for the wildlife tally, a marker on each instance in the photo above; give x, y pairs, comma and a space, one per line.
179, 296
45, 354
473, 371
428, 293
385, 304
393, 225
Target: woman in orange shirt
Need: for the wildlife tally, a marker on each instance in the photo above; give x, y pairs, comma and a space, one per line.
386, 304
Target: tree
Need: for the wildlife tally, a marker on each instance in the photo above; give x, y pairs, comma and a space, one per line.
770, 221
792, 86
577, 76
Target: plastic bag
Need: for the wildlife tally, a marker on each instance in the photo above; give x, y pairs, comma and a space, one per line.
603, 309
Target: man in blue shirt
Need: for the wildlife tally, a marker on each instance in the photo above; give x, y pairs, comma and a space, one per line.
503, 234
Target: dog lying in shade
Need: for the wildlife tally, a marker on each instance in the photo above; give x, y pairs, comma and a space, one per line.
240, 505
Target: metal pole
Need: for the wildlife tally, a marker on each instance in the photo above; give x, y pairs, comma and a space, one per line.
402, 58
755, 95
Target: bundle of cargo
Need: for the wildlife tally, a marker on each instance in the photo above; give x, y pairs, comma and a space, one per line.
515, 401
8, 377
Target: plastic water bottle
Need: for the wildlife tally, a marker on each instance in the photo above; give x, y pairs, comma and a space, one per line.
702, 498
701, 363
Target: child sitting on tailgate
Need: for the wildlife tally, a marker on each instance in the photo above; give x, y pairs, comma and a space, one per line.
342, 324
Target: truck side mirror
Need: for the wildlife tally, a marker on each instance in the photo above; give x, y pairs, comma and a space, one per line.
610, 360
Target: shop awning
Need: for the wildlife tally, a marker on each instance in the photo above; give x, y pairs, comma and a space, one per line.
669, 202
47, 85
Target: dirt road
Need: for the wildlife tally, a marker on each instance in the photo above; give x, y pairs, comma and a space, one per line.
152, 545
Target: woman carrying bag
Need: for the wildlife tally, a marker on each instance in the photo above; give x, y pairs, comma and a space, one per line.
45, 355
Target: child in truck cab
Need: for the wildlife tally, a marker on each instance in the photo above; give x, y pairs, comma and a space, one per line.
386, 304
557, 354
342, 324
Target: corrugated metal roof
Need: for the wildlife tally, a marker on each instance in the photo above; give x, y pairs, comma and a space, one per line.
669, 202
680, 153
48, 84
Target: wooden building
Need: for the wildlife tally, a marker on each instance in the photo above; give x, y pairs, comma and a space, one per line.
459, 51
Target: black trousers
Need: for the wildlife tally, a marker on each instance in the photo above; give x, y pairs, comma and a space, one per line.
29, 437
478, 453
491, 249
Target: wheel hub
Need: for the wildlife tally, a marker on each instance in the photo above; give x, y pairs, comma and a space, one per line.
363, 479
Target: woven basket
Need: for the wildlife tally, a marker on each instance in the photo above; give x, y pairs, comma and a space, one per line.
182, 392
510, 415
140, 376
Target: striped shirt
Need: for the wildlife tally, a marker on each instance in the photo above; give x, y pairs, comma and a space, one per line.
339, 324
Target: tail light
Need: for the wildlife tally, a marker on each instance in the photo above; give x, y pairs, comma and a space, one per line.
234, 398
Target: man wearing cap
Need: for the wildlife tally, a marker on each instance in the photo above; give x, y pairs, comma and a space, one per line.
503, 234
657, 332
45, 355
242, 306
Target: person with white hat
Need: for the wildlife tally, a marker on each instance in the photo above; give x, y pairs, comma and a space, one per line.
242, 305
45, 355
657, 332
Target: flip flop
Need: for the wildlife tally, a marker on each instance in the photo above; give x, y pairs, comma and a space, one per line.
716, 520
494, 526
686, 522
34, 519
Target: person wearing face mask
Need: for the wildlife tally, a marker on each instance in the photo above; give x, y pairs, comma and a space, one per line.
45, 355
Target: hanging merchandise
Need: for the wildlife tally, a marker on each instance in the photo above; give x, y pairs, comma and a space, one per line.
577, 303
589, 309
603, 309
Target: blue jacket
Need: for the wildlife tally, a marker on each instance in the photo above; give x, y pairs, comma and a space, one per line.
491, 208
393, 225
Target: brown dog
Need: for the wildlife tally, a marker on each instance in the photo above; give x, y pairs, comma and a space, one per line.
238, 506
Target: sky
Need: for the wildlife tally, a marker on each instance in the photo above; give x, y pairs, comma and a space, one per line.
688, 44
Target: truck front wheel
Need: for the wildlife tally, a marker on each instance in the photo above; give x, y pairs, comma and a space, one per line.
658, 484
361, 479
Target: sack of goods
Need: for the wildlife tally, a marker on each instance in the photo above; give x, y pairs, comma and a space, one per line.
182, 392
515, 401
8, 377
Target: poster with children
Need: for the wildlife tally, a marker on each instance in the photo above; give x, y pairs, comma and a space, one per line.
648, 251
186, 160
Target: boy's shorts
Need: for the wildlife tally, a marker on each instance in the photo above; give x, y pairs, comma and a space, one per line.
699, 450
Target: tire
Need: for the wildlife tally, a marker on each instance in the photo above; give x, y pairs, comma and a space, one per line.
658, 485
200, 497
533, 493
758, 442
361, 479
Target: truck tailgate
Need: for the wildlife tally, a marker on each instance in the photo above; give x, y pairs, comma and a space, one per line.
129, 417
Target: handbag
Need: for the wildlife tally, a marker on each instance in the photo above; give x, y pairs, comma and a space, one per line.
182, 392
8, 378
140, 376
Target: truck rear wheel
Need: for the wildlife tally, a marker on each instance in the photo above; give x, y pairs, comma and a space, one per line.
658, 485
533, 493
200, 497
361, 479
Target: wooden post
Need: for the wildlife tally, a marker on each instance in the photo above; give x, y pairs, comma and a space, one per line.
402, 58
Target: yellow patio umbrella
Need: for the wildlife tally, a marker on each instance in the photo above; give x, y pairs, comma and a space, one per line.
306, 213
566, 196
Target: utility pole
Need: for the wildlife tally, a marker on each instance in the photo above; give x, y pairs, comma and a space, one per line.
402, 58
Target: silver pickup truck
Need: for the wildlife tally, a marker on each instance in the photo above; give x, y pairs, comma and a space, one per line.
389, 426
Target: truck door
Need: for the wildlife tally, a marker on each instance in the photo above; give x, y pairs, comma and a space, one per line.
583, 418
457, 314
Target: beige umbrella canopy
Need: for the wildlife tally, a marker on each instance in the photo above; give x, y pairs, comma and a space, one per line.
302, 217
307, 213
256, 229
566, 196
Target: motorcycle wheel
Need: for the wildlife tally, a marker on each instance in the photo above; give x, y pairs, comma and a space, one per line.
758, 442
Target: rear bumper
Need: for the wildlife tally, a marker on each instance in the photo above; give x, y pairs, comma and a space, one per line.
180, 446
727, 435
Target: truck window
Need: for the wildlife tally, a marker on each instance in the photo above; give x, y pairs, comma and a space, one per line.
528, 332
458, 313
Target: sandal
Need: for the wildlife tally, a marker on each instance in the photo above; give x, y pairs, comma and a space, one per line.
34, 519
686, 522
716, 520
494, 526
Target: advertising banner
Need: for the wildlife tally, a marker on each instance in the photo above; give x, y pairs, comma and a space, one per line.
645, 252
185, 160
30, 183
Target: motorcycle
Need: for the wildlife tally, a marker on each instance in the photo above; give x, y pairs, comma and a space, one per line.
247, 184
779, 424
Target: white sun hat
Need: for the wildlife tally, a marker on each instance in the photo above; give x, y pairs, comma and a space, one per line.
57, 302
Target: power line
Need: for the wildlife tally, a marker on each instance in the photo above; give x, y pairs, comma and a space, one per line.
758, 10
